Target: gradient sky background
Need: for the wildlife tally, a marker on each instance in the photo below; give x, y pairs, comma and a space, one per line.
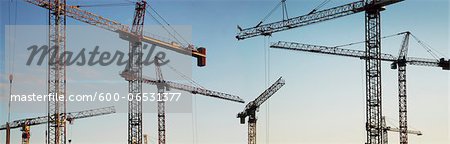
323, 99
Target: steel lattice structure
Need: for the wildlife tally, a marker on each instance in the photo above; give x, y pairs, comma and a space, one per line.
184, 87
70, 117
402, 98
397, 62
391, 129
372, 9
316, 17
57, 72
161, 104
252, 107
373, 76
319, 16
135, 66
357, 54
26, 123
58, 10
163, 85
96, 20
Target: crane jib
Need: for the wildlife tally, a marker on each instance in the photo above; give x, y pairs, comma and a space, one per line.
114, 26
311, 18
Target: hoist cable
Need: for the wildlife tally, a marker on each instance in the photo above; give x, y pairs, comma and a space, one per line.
167, 23
360, 42
428, 48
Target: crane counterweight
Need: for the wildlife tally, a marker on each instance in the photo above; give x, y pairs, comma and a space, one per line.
445, 64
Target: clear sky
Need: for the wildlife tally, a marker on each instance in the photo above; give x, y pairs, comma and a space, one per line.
323, 99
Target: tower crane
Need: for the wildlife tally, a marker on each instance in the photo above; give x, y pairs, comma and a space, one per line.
56, 125
397, 62
58, 11
372, 9
134, 65
442, 63
253, 106
26, 123
313, 17
391, 129
400, 64
124, 31
161, 104
162, 85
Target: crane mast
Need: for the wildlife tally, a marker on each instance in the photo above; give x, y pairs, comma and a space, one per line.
135, 66
163, 85
373, 73
373, 78
161, 104
402, 98
399, 62
57, 72
251, 108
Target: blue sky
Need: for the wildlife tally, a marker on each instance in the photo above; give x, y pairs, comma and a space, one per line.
323, 95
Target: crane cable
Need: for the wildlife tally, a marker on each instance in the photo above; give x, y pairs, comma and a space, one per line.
267, 85
360, 42
10, 74
184, 76
164, 27
284, 10
267, 82
319, 6
282, 2
194, 112
194, 117
428, 48
156, 20
12, 44
167, 23
130, 1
